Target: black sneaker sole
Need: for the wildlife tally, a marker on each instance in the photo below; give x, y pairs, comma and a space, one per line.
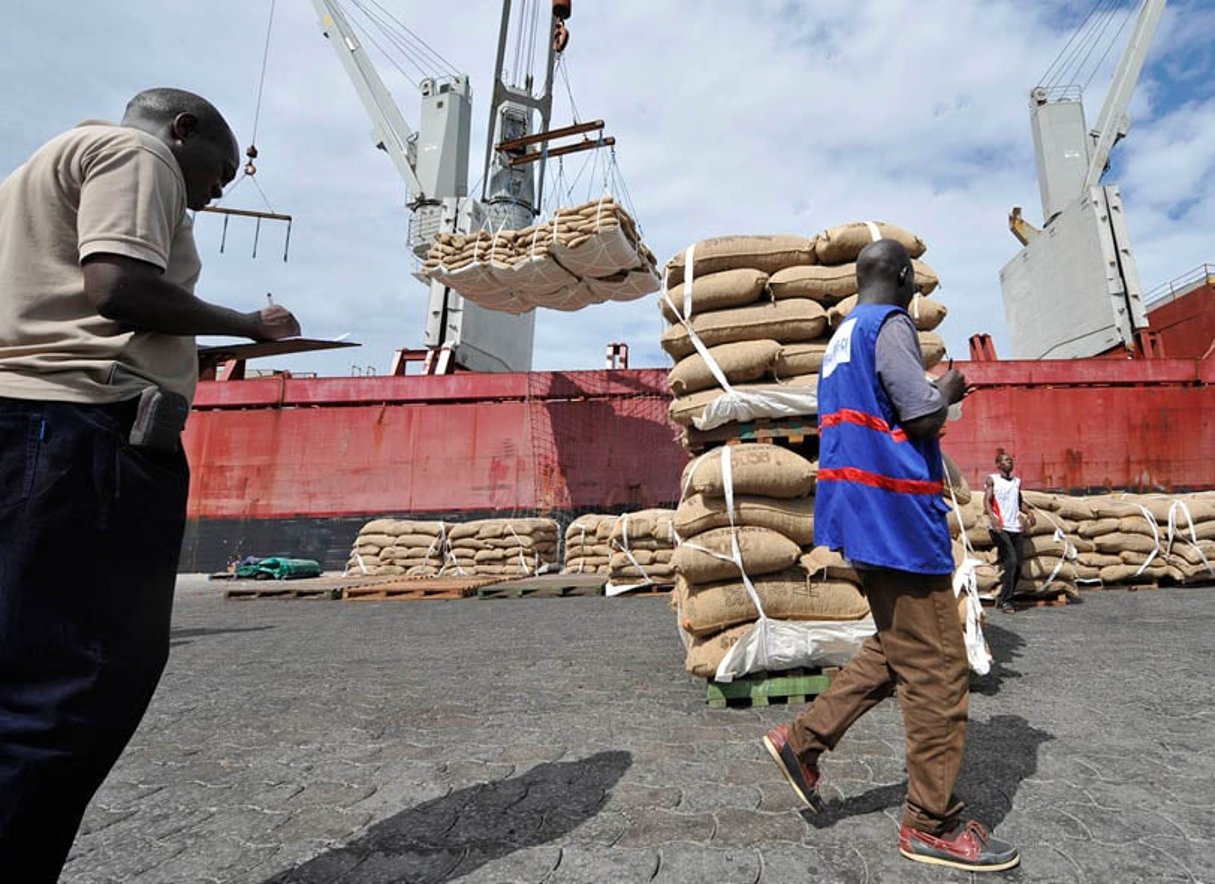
959, 864
812, 801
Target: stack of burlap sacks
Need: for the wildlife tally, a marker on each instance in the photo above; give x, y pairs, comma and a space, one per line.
399, 547
503, 547
765, 308
588, 541
642, 544
1103, 539
488, 547
774, 522
585, 255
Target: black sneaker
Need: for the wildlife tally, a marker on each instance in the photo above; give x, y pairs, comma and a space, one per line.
802, 777
1007, 608
969, 847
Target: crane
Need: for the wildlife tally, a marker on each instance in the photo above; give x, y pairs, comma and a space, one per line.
1073, 290
433, 163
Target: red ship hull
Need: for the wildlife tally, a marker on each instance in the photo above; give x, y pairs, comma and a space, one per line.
284, 465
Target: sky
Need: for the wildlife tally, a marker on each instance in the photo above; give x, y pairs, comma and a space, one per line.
764, 116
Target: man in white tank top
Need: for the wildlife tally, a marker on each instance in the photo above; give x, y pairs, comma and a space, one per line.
1007, 514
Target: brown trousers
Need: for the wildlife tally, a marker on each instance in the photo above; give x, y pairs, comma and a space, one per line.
919, 649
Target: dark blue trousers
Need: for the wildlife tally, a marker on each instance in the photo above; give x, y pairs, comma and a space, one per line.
90, 533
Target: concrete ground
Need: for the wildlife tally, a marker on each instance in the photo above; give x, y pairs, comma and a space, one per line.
559, 740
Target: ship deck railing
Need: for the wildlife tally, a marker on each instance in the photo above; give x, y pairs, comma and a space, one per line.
1202, 275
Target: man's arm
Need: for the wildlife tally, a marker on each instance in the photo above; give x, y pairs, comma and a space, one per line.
136, 294
922, 407
989, 496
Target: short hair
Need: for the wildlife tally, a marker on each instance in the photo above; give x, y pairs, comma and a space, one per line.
164, 103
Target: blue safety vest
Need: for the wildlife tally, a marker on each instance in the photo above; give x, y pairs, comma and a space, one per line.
878, 496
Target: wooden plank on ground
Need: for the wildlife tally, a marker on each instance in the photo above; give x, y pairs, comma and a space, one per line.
281, 589
545, 586
416, 589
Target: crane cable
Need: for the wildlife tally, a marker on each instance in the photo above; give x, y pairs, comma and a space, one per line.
1072, 65
251, 150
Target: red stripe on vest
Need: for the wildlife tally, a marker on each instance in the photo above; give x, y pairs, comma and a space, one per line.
861, 419
876, 480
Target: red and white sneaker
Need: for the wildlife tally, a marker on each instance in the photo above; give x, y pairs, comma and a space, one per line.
802, 777
969, 847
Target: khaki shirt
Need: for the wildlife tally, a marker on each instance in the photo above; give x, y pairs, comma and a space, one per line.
97, 189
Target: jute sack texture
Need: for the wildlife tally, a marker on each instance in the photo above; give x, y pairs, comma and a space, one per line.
765, 253
756, 469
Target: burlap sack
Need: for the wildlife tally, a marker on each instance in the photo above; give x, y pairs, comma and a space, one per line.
816, 282
841, 245
926, 313
802, 381
1097, 527
1097, 559
932, 348
825, 564
377, 526
955, 480
1111, 508
1117, 542
740, 362
648, 524
793, 518
1140, 525
756, 469
839, 312
706, 652
1077, 509
829, 284
763, 551
794, 360
715, 291
787, 595
1127, 573
380, 540
797, 319
766, 253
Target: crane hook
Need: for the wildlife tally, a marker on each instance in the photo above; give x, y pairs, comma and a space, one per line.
561, 36
251, 153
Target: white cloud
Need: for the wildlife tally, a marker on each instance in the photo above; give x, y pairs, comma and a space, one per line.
730, 117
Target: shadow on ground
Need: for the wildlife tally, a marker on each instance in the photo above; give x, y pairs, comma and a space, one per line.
448, 837
182, 636
1000, 754
1005, 647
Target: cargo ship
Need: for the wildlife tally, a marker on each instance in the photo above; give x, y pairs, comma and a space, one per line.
294, 465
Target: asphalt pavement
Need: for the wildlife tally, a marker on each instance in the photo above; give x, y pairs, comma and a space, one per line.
559, 740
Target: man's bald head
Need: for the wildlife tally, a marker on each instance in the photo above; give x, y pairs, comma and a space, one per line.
884, 274
161, 106
197, 134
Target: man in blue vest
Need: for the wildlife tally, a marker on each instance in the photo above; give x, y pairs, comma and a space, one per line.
879, 502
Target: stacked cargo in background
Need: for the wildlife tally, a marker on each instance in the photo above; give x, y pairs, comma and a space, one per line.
642, 544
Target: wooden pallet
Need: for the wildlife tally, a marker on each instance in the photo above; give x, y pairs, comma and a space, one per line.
545, 586
789, 686
646, 590
791, 430
537, 592
416, 589
280, 590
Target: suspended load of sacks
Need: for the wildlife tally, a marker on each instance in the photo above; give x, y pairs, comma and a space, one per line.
748, 326
588, 254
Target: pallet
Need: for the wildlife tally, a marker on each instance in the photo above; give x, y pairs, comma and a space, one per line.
280, 590
545, 586
408, 589
792, 430
536, 592
789, 686
645, 590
